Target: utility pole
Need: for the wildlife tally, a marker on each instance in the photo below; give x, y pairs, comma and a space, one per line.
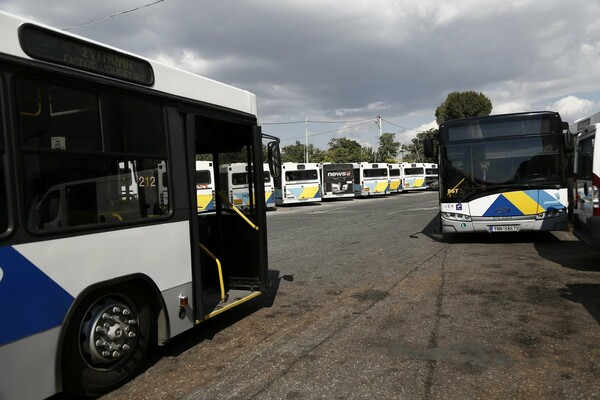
306, 140
378, 122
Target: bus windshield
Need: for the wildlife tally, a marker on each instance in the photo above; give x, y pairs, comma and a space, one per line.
481, 166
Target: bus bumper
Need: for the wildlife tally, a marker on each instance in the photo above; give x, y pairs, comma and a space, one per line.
482, 224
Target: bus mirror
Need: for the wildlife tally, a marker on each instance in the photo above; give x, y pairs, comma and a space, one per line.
428, 147
274, 155
568, 137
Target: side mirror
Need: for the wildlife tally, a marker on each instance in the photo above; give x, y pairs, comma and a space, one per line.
274, 157
569, 138
428, 147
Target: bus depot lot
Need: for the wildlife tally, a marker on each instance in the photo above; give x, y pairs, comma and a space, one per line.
368, 301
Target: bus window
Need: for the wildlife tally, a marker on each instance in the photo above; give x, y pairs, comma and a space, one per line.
80, 172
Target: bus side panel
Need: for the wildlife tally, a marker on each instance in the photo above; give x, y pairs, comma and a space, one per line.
161, 252
28, 366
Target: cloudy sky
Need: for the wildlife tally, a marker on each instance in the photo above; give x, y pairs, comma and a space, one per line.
340, 63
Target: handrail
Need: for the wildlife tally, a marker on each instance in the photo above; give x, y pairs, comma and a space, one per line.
238, 211
211, 255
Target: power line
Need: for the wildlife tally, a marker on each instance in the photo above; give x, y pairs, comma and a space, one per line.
316, 122
398, 126
332, 131
112, 15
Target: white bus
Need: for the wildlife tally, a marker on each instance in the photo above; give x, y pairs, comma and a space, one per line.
503, 173
298, 183
395, 171
586, 183
371, 179
205, 186
413, 176
337, 180
431, 176
103, 253
234, 181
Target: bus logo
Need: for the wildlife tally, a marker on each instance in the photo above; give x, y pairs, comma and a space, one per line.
502, 210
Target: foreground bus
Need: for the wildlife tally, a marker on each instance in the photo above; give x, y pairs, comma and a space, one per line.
103, 253
431, 176
371, 179
337, 180
413, 176
503, 173
395, 172
205, 186
586, 184
298, 183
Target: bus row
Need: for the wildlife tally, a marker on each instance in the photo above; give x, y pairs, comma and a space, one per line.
311, 182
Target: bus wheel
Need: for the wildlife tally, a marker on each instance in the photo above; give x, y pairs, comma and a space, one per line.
107, 341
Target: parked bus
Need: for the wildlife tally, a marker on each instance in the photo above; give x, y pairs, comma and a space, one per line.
502, 173
395, 172
336, 180
103, 253
586, 183
234, 181
205, 186
298, 183
431, 176
413, 176
371, 179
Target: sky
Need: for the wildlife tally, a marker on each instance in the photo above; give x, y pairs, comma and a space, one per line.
339, 64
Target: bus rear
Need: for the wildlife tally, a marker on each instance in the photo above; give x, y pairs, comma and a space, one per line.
413, 176
299, 183
503, 173
431, 176
395, 179
336, 180
586, 184
205, 186
371, 179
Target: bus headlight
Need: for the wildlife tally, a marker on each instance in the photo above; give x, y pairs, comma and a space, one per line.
552, 213
456, 217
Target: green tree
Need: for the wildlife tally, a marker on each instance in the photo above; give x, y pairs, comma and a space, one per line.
295, 153
342, 150
463, 105
388, 148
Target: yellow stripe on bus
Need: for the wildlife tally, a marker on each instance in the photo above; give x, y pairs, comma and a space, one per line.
524, 203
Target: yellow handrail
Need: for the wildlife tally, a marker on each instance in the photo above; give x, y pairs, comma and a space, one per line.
211, 255
238, 211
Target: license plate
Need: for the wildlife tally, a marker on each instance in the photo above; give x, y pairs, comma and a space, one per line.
504, 228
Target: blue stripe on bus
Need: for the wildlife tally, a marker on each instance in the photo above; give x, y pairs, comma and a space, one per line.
30, 302
502, 203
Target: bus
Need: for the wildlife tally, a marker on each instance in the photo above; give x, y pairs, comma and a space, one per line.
336, 180
371, 179
413, 176
395, 178
298, 183
205, 186
234, 181
503, 173
103, 253
431, 176
586, 182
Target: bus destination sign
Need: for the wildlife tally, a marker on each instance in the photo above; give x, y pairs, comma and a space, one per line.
65, 50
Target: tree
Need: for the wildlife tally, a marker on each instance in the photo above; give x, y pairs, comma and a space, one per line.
463, 105
388, 148
342, 150
295, 153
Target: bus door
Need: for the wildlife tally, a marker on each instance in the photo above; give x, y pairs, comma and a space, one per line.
586, 210
230, 252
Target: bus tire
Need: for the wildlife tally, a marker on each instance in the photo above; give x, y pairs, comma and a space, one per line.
107, 340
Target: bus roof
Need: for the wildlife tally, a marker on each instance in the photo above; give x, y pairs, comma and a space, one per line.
167, 79
475, 120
